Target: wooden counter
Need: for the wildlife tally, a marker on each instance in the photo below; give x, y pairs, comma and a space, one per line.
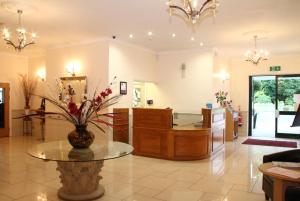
154, 136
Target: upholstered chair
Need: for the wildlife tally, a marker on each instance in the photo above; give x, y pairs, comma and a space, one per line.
285, 156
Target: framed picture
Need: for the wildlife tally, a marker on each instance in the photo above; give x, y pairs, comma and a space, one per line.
123, 88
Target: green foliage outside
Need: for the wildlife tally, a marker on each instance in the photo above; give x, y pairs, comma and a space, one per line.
264, 90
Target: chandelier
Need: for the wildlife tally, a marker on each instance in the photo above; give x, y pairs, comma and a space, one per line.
255, 55
21, 35
191, 10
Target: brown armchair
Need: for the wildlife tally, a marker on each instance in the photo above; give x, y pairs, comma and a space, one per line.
285, 156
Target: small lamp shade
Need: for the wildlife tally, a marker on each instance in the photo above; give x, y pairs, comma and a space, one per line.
296, 122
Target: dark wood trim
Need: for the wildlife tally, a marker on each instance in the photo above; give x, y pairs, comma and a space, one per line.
4, 132
250, 108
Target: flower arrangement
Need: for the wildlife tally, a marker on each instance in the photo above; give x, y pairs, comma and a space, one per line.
28, 86
89, 111
221, 97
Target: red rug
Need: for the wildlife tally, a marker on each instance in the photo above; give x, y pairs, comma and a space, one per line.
271, 143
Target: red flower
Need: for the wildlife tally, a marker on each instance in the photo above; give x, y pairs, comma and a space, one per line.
73, 108
98, 99
103, 94
108, 91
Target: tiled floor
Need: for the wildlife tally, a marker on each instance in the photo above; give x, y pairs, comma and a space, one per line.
231, 175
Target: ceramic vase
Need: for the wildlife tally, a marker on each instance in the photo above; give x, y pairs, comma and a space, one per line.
81, 138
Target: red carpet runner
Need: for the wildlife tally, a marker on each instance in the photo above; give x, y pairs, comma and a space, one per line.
271, 143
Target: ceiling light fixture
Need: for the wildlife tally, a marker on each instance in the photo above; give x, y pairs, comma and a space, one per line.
192, 38
21, 35
173, 35
150, 33
255, 55
201, 44
131, 36
189, 8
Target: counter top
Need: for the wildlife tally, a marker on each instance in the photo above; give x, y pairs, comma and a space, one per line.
188, 127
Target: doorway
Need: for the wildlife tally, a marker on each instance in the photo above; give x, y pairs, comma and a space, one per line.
273, 102
4, 109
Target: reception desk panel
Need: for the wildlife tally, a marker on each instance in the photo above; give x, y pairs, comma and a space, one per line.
190, 145
154, 136
153, 118
150, 142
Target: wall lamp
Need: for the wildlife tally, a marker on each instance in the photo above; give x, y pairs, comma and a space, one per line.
73, 68
41, 74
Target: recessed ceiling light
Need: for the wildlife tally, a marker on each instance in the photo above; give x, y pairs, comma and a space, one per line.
173, 35
150, 33
192, 38
131, 36
201, 44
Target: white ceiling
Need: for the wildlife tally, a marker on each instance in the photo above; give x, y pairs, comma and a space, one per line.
59, 22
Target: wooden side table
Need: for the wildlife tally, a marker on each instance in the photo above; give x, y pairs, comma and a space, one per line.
280, 182
27, 126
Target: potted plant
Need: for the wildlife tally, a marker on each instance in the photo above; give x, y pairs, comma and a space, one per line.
221, 97
90, 111
28, 86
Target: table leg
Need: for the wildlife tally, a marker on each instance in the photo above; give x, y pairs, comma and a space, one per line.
278, 190
80, 180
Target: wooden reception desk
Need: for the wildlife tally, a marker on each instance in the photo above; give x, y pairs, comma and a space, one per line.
154, 136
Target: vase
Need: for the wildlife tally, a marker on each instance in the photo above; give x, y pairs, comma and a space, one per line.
81, 138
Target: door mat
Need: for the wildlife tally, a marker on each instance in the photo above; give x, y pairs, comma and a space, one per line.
273, 143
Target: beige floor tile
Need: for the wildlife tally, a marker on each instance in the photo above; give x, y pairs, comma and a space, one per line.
211, 197
137, 197
216, 187
149, 192
172, 194
22, 189
244, 196
231, 174
154, 182
183, 175
121, 190
5, 198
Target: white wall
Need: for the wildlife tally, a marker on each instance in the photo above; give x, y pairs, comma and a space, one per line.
93, 60
34, 65
129, 64
10, 66
240, 71
221, 77
189, 93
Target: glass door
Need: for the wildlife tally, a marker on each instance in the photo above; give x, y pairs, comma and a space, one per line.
262, 106
287, 102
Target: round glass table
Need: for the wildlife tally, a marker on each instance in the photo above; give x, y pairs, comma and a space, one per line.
79, 168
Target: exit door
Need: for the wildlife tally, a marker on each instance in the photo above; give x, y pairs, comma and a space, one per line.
273, 103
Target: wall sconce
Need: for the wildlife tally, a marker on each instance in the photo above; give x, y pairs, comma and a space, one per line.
223, 75
41, 74
73, 68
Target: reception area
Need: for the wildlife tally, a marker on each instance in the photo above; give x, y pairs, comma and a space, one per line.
193, 100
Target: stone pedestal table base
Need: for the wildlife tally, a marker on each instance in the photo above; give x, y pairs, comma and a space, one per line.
80, 180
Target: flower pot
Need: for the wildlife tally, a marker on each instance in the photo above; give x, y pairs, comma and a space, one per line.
81, 138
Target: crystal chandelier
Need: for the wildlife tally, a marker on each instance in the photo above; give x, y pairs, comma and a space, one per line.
21, 35
189, 8
255, 55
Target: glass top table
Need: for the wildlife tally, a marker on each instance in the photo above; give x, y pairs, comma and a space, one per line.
79, 168
62, 151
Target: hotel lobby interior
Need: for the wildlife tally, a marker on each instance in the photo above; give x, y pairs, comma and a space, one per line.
149, 100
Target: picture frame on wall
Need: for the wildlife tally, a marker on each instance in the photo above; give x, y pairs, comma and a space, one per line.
123, 88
